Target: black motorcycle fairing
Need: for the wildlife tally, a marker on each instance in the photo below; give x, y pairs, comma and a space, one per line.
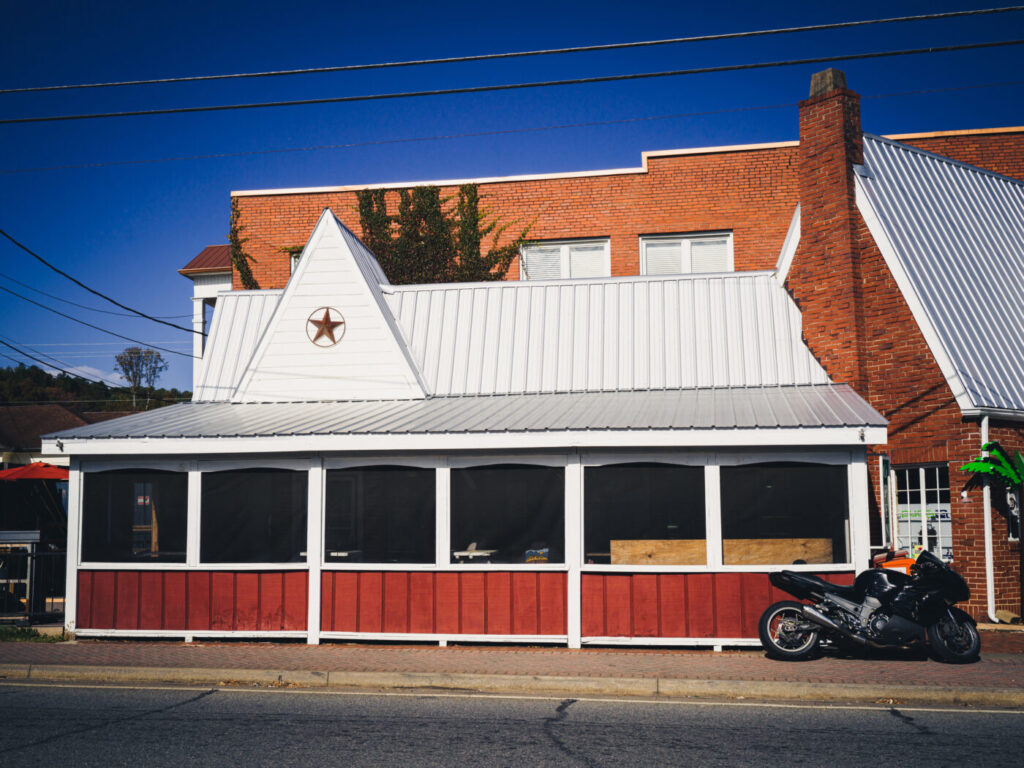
880, 583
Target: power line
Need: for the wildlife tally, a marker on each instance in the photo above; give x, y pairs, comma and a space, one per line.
76, 304
90, 325
79, 283
474, 134
513, 86
521, 54
43, 362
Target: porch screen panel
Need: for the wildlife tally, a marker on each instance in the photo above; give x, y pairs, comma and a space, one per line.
644, 514
785, 513
134, 516
379, 515
253, 516
508, 513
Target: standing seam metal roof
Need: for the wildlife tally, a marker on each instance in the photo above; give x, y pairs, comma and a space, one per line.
684, 409
958, 233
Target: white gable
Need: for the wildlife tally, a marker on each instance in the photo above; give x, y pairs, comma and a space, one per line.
370, 361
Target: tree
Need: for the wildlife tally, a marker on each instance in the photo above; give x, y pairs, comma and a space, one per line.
425, 242
139, 367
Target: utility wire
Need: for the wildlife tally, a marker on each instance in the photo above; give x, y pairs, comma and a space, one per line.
90, 325
514, 86
475, 134
81, 306
521, 54
48, 365
79, 283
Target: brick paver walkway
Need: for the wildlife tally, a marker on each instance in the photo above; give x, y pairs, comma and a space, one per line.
995, 670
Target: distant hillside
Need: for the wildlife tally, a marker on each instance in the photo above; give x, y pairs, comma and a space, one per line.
31, 384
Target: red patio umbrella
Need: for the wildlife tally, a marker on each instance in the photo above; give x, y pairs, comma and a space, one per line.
37, 470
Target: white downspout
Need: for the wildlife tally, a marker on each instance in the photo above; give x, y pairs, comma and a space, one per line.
986, 494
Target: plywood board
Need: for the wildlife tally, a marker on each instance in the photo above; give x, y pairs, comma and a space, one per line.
659, 552
776, 551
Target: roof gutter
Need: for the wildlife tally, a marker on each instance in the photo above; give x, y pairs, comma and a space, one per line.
1005, 414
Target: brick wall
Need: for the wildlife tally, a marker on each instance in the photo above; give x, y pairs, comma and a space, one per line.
1001, 152
750, 193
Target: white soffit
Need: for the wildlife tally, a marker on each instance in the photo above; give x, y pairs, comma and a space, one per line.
953, 237
335, 271
724, 330
239, 320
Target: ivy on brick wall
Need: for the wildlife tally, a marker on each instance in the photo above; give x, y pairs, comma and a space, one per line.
239, 258
430, 241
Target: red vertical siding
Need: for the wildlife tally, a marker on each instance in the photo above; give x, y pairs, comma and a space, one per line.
496, 602
193, 600
726, 605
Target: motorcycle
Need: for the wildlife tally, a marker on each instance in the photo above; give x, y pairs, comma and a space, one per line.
883, 608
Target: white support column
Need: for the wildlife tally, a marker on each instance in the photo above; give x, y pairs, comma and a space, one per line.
713, 515
315, 546
574, 548
860, 521
198, 324
192, 520
442, 517
74, 544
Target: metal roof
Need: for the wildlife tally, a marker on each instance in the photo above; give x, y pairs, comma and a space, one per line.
721, 330
213, 258
239, 320
637, 411
956, 234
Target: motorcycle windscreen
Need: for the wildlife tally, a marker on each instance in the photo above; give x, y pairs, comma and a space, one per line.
785, 513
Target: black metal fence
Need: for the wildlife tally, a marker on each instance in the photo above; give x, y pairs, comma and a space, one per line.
31, 584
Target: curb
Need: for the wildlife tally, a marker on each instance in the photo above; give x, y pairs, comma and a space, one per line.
671, 688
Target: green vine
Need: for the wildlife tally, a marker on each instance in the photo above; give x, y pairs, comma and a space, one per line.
239, 258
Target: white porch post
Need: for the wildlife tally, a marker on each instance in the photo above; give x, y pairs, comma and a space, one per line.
315, 546
713, 515
860, 521
74, 544
192, 529
574, 547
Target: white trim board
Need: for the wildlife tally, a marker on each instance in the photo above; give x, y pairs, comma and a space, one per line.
694, 438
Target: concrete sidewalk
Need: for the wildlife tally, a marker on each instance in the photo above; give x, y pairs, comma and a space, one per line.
997, 680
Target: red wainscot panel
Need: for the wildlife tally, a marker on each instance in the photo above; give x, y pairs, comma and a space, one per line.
712, 605
193, 600
455, 603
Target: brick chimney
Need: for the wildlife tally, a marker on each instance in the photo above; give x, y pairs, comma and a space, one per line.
824, 278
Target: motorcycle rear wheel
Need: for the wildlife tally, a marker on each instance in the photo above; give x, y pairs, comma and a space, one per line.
955, 640
783, 632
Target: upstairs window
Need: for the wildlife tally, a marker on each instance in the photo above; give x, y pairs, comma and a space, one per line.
565, 259
686, 254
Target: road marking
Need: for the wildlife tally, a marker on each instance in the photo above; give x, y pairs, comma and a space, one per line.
518, 697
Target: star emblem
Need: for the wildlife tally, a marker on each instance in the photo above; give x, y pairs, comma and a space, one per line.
322, 327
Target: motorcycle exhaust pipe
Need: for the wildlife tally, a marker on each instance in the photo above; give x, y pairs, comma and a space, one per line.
819, 618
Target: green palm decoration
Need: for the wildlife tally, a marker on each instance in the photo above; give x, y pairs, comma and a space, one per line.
998, 465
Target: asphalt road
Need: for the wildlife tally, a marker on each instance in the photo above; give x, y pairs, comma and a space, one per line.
83, 726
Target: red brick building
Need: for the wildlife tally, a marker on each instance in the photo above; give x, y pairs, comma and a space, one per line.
764, 199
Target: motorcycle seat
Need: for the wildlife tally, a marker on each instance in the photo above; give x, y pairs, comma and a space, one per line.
802, 584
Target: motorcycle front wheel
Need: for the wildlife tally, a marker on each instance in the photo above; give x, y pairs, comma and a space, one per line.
785, 634
955, 640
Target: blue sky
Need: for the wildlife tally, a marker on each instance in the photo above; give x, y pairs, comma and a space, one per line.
125, 230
